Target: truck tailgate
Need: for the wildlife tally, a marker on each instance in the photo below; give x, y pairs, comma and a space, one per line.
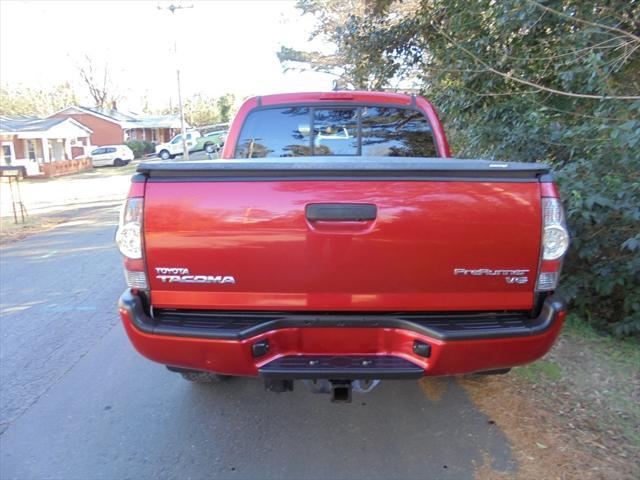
333, 243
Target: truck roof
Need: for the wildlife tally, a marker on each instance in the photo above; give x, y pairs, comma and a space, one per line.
337, 96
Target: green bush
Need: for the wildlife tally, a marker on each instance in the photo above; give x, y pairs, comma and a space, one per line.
602, 198
593, 152
141, 148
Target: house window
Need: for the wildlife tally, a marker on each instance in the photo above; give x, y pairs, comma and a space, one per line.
31, 149
133, 135
154, 135
7, 153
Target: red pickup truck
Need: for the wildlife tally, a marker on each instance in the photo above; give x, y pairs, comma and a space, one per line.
336, 242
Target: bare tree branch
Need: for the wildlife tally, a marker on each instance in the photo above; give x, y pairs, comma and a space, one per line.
101, 90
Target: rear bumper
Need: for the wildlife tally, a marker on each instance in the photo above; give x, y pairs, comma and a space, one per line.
228, 346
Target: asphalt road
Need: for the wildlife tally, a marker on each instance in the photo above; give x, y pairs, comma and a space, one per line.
77, 402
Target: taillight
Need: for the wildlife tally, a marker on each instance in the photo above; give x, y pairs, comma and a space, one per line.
555, 243
129, 241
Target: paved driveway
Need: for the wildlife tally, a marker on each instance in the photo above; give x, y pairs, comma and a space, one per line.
77, 402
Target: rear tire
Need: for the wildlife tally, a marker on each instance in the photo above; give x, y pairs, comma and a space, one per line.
203, 377
118, 162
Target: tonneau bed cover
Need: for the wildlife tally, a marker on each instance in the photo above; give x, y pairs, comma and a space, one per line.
377, 167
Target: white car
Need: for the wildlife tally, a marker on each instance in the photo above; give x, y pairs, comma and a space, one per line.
170, 149
116, 155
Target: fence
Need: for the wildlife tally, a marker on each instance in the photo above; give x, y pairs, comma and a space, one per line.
64, 167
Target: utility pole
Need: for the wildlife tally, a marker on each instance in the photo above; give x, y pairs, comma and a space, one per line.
185, 150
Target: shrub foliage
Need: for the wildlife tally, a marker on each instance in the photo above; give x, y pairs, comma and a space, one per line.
140, 148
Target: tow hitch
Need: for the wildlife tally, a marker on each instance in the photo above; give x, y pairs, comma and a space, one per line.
340, 390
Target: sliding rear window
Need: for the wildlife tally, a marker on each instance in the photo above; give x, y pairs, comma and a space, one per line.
336, 131
396, 132
275, 132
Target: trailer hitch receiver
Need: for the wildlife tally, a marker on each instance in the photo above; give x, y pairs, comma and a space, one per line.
341, 391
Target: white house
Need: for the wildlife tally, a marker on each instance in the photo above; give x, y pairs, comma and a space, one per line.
30, 142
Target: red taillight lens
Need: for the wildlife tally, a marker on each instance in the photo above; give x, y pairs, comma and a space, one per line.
129, 241
555, 243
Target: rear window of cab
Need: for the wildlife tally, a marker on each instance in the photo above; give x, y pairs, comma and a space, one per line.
336, 131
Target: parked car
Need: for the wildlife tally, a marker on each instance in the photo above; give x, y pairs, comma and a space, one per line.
213, 142
116, 155
210, 142
337, 243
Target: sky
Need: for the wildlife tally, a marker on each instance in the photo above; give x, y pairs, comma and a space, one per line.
223, 46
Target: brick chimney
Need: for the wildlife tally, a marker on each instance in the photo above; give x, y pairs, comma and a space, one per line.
113, 105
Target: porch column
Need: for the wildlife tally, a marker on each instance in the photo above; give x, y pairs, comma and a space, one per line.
45, 150
67, 148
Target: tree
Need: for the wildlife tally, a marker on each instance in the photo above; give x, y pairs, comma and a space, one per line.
518, 79
226, 107
200, 109
21, 100
98, 81
335, 18
354, 65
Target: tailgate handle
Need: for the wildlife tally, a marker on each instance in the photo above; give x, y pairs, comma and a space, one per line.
341, 212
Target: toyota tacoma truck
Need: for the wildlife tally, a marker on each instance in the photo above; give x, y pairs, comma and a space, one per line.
337, 242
